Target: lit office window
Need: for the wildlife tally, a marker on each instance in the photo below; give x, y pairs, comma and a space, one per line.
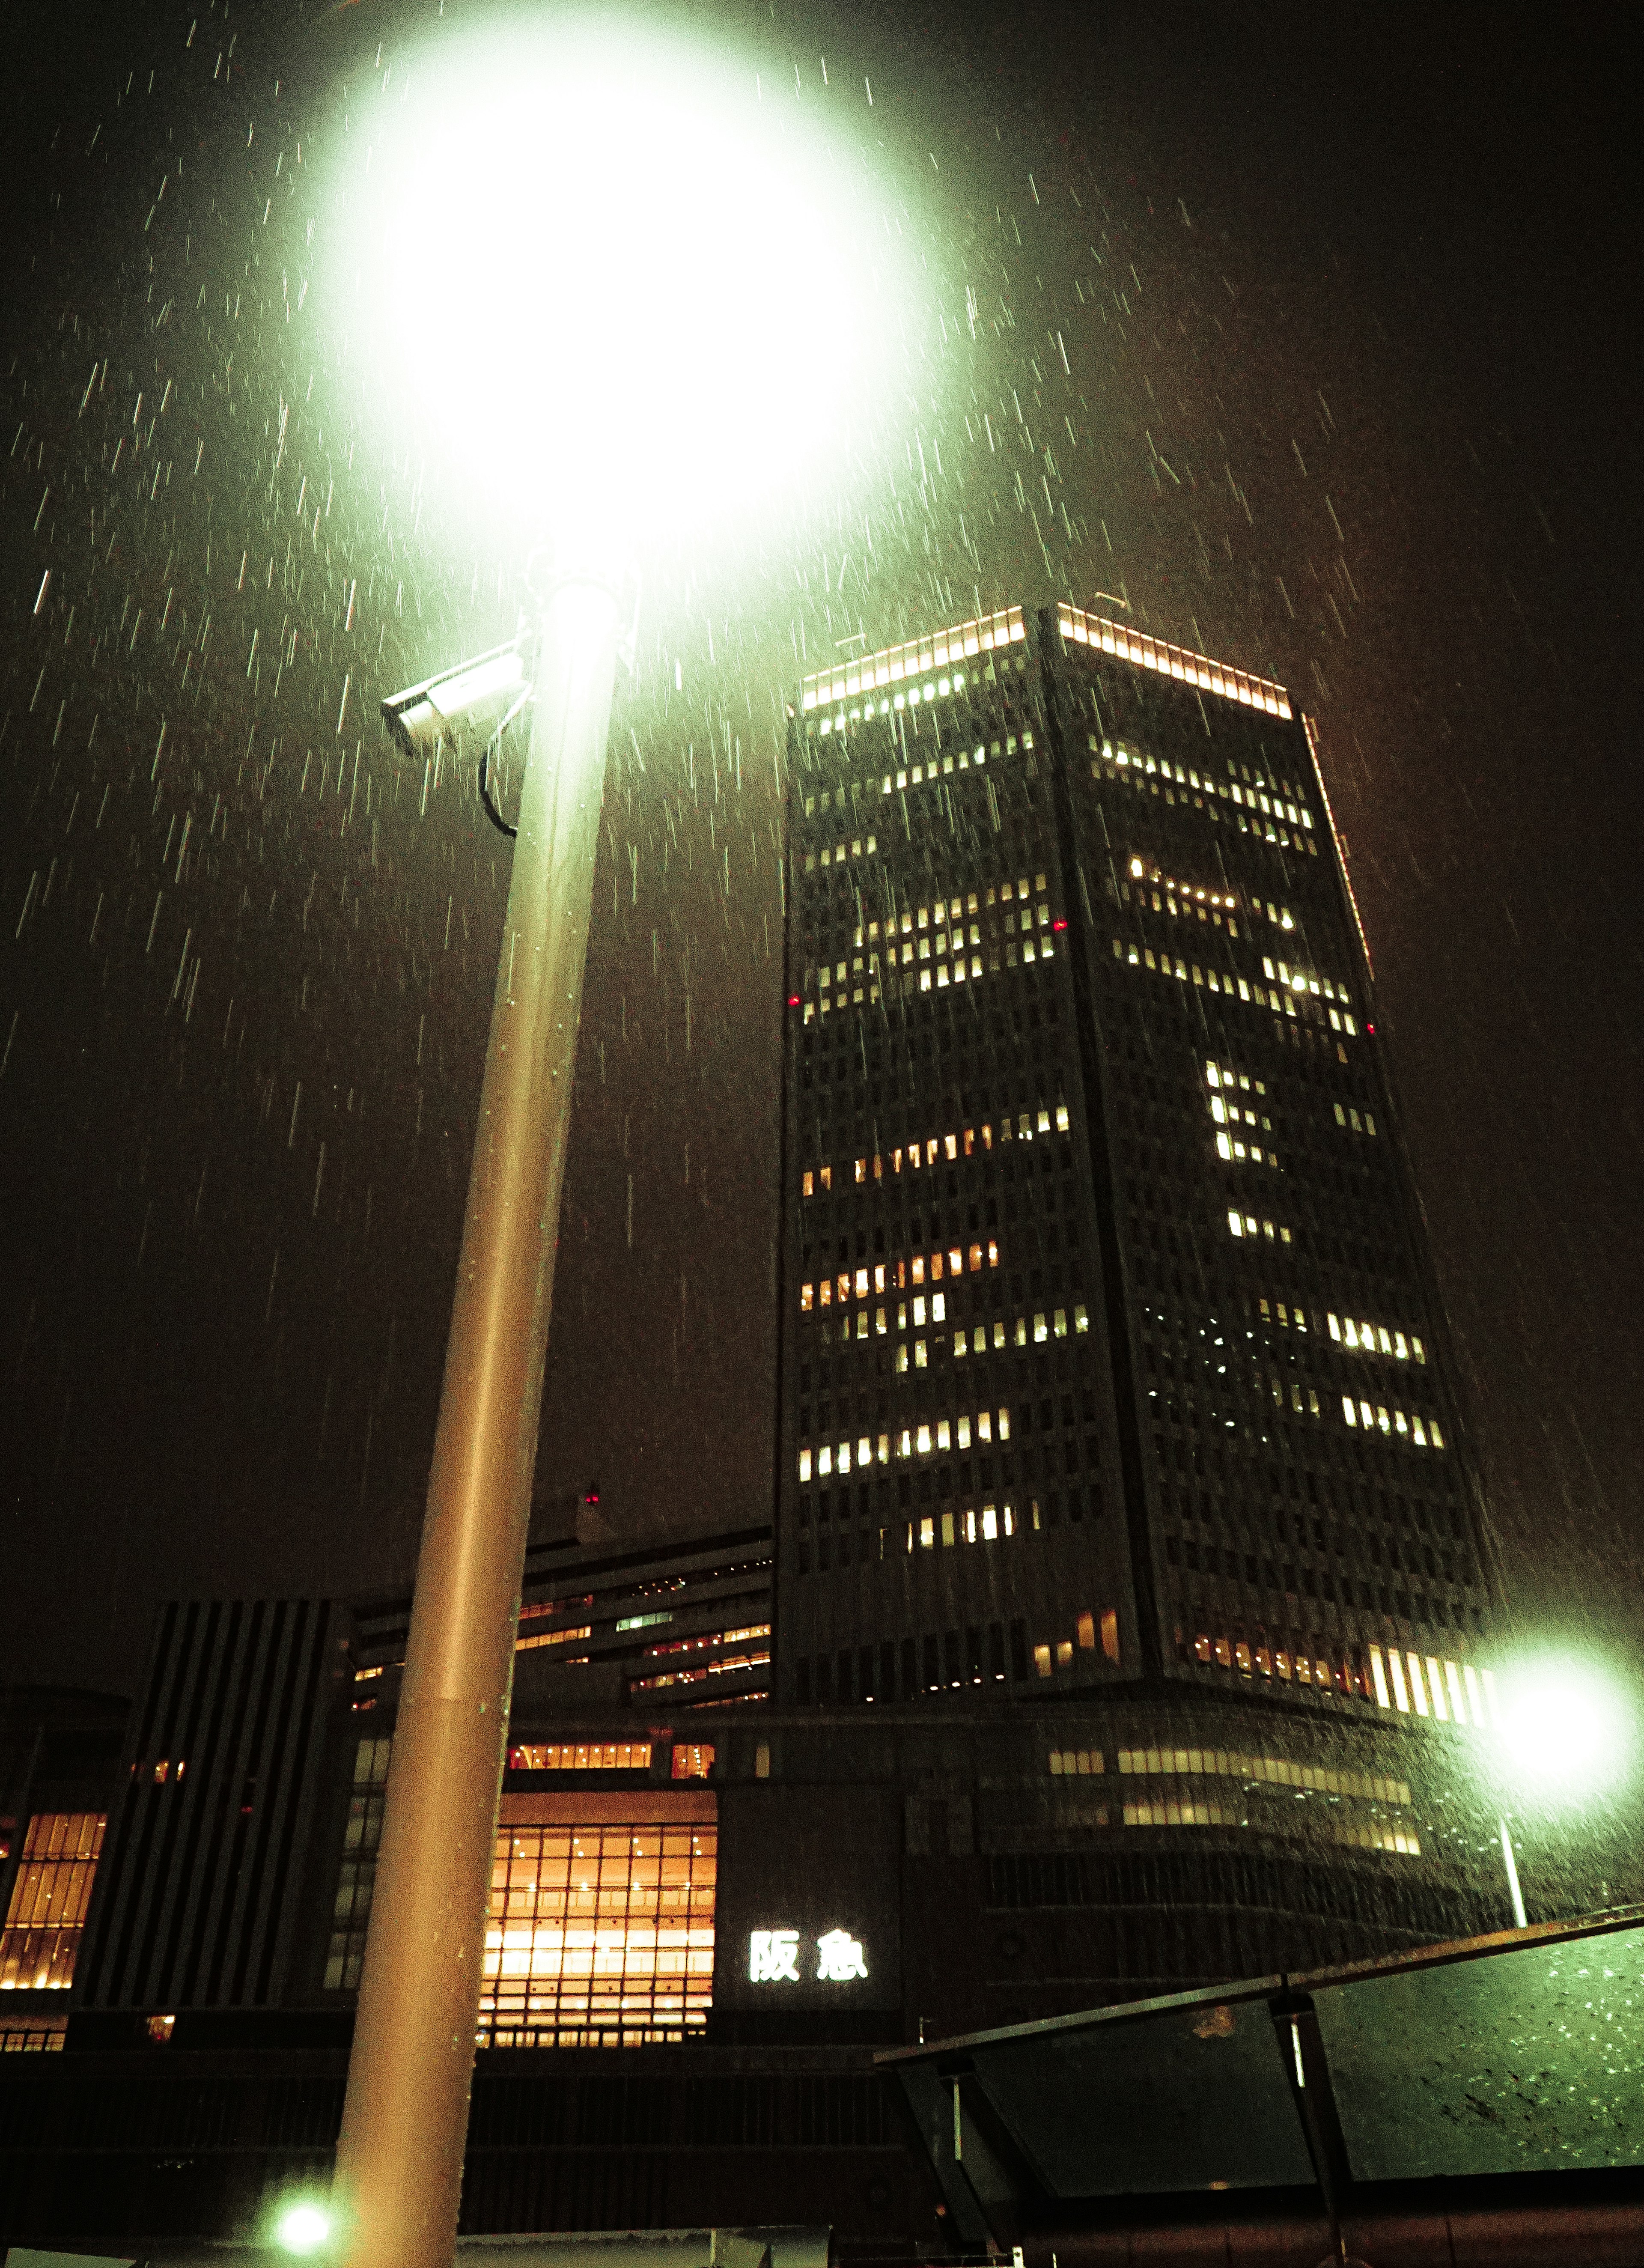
582, 1755
600, 1936
33, 2036
47, 1917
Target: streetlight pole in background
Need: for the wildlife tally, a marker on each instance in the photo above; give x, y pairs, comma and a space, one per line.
1520, 1919
399, 2161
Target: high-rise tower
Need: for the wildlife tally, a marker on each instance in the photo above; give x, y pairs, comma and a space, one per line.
1110, 1351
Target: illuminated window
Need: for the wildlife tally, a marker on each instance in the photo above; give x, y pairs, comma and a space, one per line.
33, 2036
554, 1637
692, 1760
622, 1755
600, 1935
46, 1917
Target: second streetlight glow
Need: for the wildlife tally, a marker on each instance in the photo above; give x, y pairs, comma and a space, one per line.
601, 275
1566, 1728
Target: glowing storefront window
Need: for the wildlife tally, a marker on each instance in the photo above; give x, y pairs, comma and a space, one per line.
47, 1917
600, 1936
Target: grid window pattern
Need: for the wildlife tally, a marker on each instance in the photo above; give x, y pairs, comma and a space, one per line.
600, 1936
46, 1918
350, 1913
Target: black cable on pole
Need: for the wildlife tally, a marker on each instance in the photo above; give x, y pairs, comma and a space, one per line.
495, 816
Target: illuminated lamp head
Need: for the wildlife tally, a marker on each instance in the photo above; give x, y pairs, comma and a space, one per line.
604, 280
302, 2227
1566, 1729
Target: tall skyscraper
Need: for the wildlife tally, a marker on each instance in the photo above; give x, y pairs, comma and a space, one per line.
1111, 1357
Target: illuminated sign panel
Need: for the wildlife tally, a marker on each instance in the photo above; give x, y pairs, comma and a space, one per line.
808, 1913
773, 1956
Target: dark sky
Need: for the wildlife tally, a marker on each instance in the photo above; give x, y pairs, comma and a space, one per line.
1360, 284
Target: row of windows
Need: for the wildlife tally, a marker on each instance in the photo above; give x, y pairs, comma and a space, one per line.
1359, 1338
1246, 1224
906, 1669
1115, 760
836, 854
1046, 1323
992, 1524
1270, 1772
582, 1756
1399, 1679
934, 1438
937, 1147
1269, 828
1194, 898
1280, 1004
986, 634
986, 1040
1409, 1428
1183, 900
551, 1638
1314, 1583
1350, 1117
865, 984
1412, 1428
931, 933
1171, 1812
1353, 1543
896, 1275
915, 919
1260, 1659
730, 1664
34, 2036
963, 760
1173, 661
706, 1640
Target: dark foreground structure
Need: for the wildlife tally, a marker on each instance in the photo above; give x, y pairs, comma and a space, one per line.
1481, 2102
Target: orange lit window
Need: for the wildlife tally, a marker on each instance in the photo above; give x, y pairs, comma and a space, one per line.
552, 1637
52, 1889
582, 1755
600, 1936
692, 1760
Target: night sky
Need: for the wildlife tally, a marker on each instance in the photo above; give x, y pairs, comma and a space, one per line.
1344, 296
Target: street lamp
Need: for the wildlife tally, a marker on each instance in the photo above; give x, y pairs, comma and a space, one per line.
1563, 1736
585, 253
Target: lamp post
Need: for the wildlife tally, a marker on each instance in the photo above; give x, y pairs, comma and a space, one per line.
399, 2162
617, 213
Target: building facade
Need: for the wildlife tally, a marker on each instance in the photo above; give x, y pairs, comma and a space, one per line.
1113, 1375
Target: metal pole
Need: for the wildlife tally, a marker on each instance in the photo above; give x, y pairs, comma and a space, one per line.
399, 2161
1519, 1920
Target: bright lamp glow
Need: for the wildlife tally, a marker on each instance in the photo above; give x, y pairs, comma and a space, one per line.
1566, 1728
596, 274
302, 2228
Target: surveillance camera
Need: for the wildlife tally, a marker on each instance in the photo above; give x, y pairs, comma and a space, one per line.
463, 708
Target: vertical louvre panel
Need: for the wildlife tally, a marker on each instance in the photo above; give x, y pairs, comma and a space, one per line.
196, 1910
